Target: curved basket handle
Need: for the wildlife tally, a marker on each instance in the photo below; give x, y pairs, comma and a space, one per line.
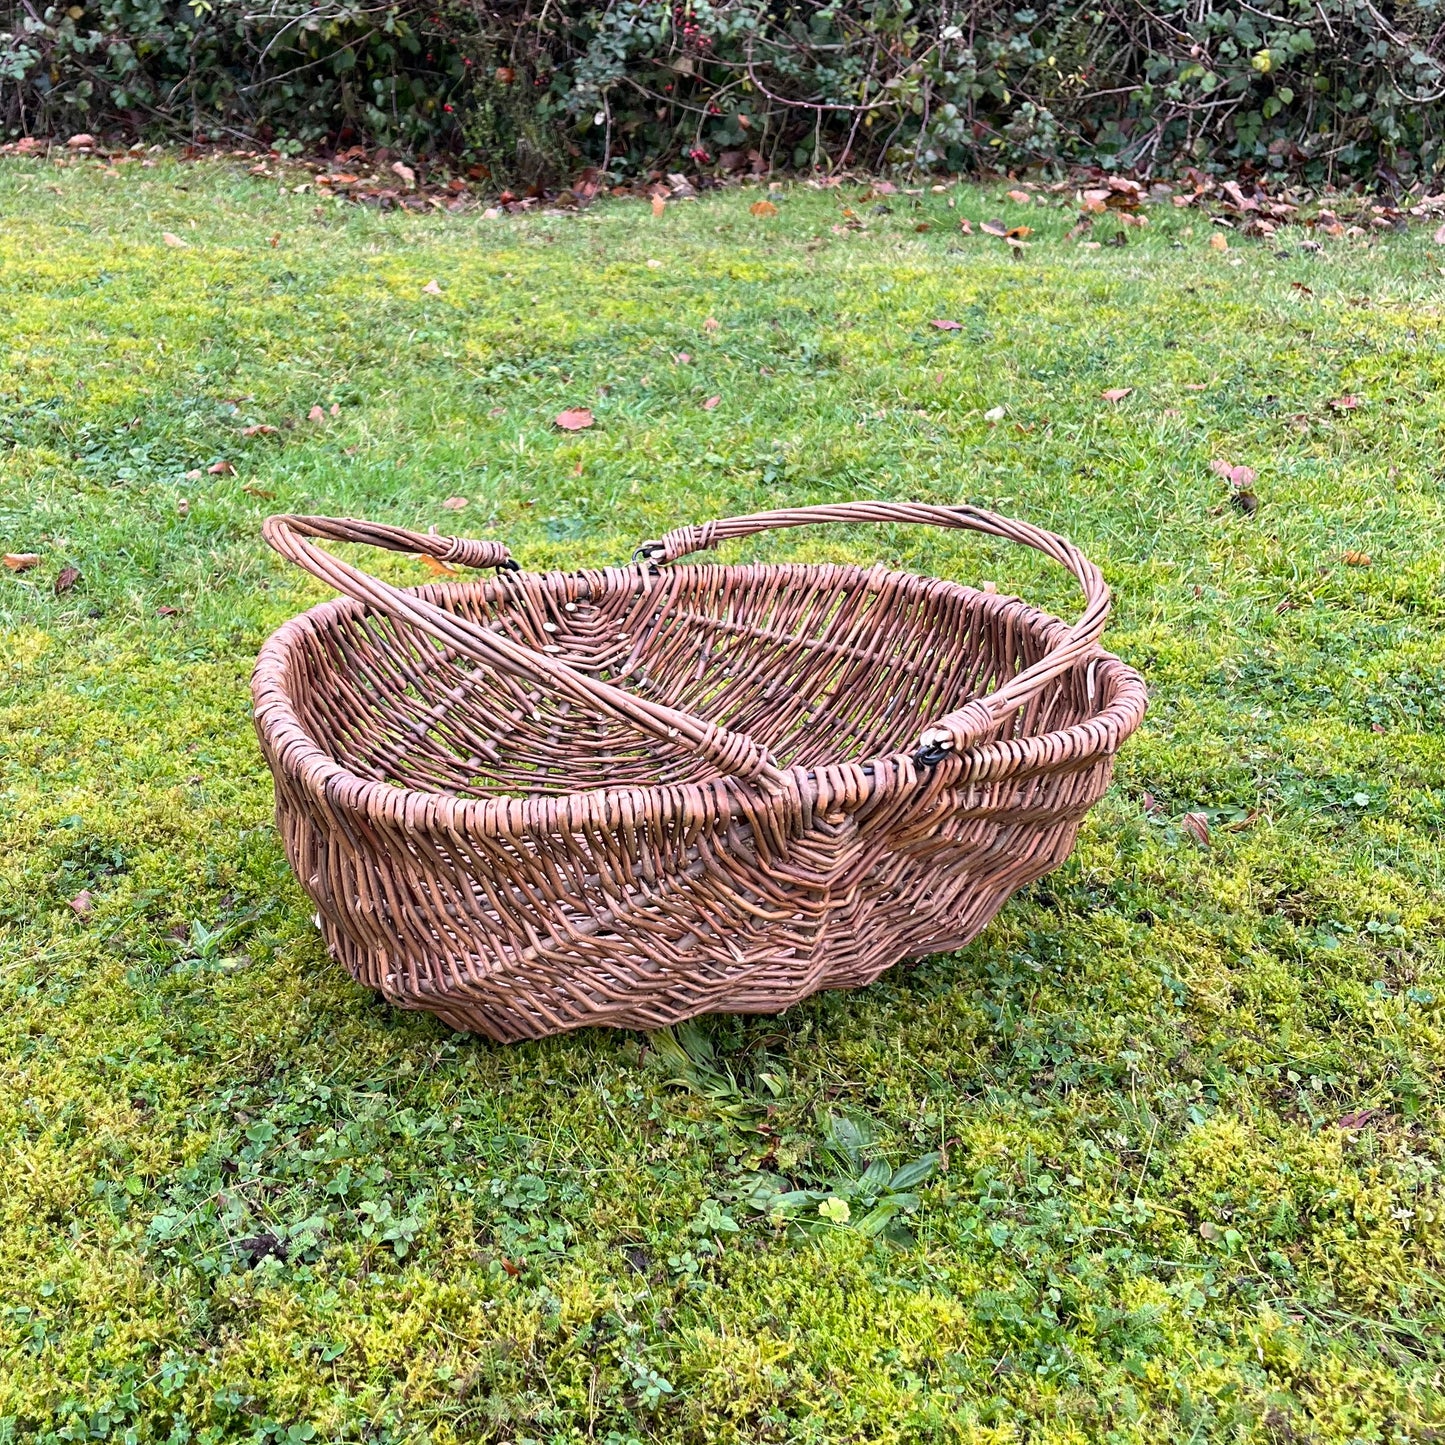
732, 753
976, 719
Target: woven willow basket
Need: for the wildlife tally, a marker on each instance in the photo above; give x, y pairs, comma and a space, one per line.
628, 796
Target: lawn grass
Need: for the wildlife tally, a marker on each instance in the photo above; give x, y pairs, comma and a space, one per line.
241, 1200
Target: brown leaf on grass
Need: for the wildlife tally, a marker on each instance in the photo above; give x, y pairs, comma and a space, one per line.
404, 173
1197, 826
1196, 386
83, 904
1150, 805
1218, 242
1301, 288
1117, 393
947, 325
65, 580
1237, 477
259, 430
1358, 1119
682, 358
1081, 227
275, 240
576, 418
1352, 558
454, 504
1018, 233
710, 325
260, 492
711, 402
183, 507
22, 561
432, 288
433, 564
993, 228
1021, 198
168, 611
1440, 236
171, 239
81, 141
316, 414
221, 469
658, 205
763, 208
965, 225
1345, 403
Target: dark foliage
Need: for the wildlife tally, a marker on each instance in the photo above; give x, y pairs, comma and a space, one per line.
1333, 88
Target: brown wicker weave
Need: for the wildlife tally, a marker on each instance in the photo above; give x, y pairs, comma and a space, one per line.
633, 795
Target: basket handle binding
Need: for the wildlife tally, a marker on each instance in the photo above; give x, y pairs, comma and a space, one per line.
733, 753
973, 722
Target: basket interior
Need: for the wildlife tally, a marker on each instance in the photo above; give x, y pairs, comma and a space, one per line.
820, 664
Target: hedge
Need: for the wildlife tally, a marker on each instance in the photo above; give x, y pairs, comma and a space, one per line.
1330, 89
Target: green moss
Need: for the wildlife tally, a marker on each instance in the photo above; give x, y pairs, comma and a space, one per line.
241, 1198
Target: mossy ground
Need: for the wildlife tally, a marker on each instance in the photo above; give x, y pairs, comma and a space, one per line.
244, 1201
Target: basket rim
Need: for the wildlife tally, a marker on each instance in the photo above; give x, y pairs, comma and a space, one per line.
298, 753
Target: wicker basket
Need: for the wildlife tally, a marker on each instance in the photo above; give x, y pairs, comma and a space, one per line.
628, 796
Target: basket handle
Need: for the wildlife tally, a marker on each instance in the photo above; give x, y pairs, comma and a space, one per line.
973, 722
733, 753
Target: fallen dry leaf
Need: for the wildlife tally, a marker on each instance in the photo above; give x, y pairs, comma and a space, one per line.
993, 228
1116, 393
1197, 826
965, 225
82, 904
1236, 476
316, 414
710, 324
682, 358
404, 173
1150, 804
454, 504
259, 430
658, 205
763, 208
22, 561
1353, 558
260, 492
432, 289
66, 579
183, 507
434, 564
1301, 288
81, 141
171, 239
1218, 242
1196, 386
1018, 233
1021, 198
1345, 403
1440, 236
574, 419
947, 325
221, 469
167, 611
1358, 1119
711, 402
274, 240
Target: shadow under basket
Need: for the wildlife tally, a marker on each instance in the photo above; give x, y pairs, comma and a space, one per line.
534, 803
